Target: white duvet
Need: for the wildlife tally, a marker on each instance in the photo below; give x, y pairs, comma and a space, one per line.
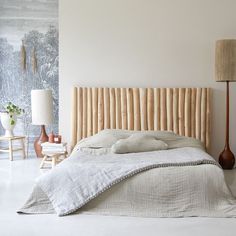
179, 182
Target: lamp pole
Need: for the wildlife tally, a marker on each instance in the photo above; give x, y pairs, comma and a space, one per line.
227, 158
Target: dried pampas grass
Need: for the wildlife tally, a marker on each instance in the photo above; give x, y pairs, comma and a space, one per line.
34, 61
23, 56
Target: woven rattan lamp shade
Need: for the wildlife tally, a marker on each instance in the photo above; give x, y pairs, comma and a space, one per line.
225, 60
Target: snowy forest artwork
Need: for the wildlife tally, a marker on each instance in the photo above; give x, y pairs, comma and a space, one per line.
35, 23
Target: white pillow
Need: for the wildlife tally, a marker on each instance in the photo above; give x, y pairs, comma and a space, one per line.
138, 143
101, 143
103, 139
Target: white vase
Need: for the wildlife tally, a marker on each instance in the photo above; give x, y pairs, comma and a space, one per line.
6, 123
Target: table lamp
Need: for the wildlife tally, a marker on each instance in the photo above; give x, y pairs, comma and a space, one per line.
225, 71
42, 114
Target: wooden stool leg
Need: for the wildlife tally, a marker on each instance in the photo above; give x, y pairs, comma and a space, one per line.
23, 147
54, 161
42, 162
27, 146
10, 150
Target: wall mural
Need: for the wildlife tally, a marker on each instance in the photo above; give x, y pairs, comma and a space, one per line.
35, 25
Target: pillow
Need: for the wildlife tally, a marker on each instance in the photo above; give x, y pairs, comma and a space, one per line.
138, 143
100, 143
103, 139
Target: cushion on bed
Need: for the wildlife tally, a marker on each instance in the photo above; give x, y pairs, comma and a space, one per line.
138, 143
101, 143
103, 139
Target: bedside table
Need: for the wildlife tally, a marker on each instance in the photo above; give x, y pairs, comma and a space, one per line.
10, 148
230, 178
53, 153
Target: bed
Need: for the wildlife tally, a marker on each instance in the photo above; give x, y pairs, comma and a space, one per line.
178, 179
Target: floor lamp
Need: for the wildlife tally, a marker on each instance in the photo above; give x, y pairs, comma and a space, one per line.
42, 114
225, 71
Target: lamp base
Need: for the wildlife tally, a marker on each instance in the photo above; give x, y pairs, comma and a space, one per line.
38, 141
227, 159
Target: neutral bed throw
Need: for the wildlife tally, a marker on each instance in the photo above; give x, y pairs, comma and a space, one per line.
187, 192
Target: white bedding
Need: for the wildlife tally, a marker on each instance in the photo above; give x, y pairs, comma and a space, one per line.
144, 186
195, 191
161, 192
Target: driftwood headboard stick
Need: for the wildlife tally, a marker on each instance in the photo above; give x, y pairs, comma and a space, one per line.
186, 111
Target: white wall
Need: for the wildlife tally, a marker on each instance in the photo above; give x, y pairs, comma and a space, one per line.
145, 43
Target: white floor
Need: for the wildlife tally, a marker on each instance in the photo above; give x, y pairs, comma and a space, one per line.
16, 181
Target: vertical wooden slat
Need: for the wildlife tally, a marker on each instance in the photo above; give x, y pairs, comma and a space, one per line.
163, 109
123, 109
95, 110
100, 110
187, 113
74, 118
80, 114
203, 115
84, 126
169, 102
106, 108
143, 108
89, 112
157, 109
181, 111
208, 118
130, 109
198, 113
112, 108
176, 110
137, 123
150, 108
118, 108
193, 112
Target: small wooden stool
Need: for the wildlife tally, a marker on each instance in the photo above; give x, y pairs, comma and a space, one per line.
52, 158
10, 148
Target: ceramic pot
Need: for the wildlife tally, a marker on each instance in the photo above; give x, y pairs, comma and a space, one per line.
6, 123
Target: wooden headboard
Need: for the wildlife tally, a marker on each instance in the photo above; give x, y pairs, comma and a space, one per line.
186, 111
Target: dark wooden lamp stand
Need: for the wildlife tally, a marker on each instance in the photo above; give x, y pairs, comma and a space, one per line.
226, 158
38, 141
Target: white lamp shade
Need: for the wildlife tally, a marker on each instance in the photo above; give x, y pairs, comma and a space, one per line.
41, 107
